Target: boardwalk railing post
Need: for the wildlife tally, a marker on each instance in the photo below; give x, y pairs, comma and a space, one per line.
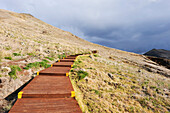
20, 95
38, 73
72, 93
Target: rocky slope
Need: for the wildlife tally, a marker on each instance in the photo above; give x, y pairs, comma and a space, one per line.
109, 81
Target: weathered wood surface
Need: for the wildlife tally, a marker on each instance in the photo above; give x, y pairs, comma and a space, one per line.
49, 92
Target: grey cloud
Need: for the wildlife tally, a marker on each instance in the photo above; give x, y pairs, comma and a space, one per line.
133, 25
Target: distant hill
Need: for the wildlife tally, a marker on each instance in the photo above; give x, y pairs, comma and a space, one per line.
159, 53
160, 56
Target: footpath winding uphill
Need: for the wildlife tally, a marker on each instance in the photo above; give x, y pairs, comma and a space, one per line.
49, 92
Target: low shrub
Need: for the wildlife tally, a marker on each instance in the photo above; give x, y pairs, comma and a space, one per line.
96, 91
81, 74
27, 68
76, 66
38, 64
30, 54
14, 69
77, 62
44, 60
90, 68
8, 48
95, 55
9, 58
63, 56
87, 52
60, 56
16, 54
50, 58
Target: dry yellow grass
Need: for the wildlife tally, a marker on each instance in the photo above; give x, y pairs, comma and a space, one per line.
128, 91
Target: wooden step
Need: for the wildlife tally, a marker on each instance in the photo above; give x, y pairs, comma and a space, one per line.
46, 105
71, 57
48, 87
67, 60
55, 71
63, 64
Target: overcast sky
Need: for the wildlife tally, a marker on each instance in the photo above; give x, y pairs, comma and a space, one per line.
131, 25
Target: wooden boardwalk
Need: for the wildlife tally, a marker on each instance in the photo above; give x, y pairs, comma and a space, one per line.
60, 71
63, 64
67, 60
50, 91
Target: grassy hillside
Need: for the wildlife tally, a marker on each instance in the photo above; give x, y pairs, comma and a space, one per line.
110, 85
109, 81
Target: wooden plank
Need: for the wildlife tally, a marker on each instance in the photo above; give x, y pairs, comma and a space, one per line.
63, 64
67, 60
48, 87
70, 57
60, 71
46, 105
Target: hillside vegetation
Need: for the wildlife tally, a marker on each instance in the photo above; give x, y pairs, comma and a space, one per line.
109, 81
113, 86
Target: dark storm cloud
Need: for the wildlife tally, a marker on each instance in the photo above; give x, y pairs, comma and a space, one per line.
133, 25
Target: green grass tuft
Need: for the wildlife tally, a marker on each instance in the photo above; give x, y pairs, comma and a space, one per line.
44, 60
95, 55
14, 69
9, 58
81, 74
31, 54
64, 56
8, 48
60, 56
50, 58
16, 54
96, 91
38, 64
